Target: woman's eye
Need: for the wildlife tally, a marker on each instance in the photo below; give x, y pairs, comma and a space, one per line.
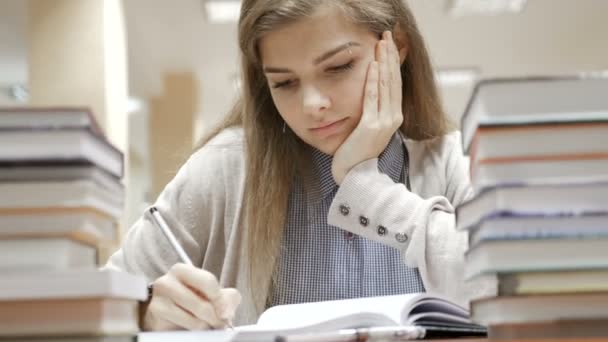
342, 67
283, 84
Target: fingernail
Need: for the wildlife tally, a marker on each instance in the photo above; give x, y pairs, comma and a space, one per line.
225, 314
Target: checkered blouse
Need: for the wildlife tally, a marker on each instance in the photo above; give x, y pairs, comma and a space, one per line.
320, 262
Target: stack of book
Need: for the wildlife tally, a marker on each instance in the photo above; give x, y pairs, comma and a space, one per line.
538, 222
60, 202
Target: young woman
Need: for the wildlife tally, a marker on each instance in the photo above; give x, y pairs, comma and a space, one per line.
335, 175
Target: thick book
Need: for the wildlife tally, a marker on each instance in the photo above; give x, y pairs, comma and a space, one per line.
68, 317
517, 227
534, 100
559, 328
553, 282
540, 308
61, 172
55, 146
71, 284
102, 229
554, 170
70, 303
63, 338
18, 118
508, 143
524, 255
44, 254
430, 313
563, 199
61, 194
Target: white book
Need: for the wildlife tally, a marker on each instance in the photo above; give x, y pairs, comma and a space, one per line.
60, 146
71, 284
424, 313
33, 255
501, 256
61, 194
101, 229
517, 227
538, 172
565, 199
50, 172
534, 100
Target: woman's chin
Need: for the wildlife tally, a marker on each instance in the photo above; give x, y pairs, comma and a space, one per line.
329, 145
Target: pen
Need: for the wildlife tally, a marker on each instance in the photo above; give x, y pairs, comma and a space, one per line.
164, 227
376, 334
160, 222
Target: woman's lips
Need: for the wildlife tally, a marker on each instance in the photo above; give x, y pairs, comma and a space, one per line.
328, 129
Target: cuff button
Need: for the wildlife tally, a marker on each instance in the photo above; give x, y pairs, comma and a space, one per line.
382, 230
401, 237
364, 221
344, 209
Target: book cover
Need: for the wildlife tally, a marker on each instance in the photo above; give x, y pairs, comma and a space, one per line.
539, 99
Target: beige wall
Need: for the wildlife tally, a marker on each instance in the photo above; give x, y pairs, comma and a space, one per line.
171, 127
66, 54
77, 56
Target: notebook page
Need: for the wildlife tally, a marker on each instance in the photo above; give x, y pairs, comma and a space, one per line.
298, 315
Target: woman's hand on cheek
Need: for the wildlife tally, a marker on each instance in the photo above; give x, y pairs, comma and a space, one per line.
382, 114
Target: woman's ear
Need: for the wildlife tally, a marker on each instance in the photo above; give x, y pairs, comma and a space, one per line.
401, 41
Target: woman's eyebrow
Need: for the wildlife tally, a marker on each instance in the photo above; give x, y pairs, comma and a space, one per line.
334, 51
317, 60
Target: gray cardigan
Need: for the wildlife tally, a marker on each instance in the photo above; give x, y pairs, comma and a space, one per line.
203, 205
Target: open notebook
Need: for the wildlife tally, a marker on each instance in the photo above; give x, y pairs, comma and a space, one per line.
434, 314
436, 317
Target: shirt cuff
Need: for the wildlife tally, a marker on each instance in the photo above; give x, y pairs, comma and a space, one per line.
370, 204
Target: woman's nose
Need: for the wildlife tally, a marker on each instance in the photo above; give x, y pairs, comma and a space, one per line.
314, 102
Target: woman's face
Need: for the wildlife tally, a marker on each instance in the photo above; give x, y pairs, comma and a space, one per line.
316, 70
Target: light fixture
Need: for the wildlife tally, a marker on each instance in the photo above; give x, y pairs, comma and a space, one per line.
18, 93
485, 7
456, 76
222, 11
134, 105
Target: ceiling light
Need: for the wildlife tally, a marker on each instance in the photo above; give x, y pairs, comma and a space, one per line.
485, 7
218, 11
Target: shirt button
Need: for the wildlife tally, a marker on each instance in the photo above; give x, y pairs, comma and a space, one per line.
364, 221
382, 230
344, 209
349, 236
401, 237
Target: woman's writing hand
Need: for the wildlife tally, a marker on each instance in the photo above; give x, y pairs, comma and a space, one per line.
382, 113
189, 298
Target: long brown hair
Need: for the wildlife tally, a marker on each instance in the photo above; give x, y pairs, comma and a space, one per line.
272, 157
